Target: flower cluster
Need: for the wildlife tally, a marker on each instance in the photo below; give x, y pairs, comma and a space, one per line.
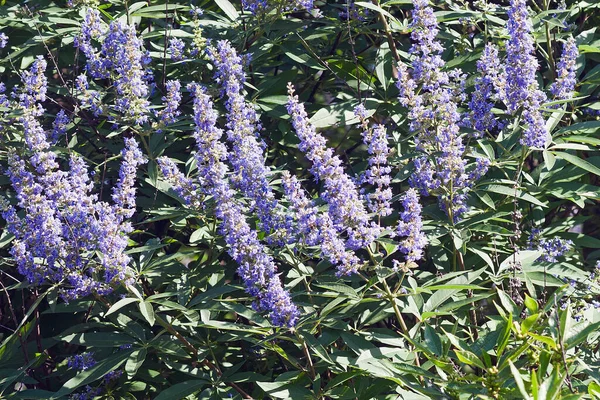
256, 267
521, 90
176, 49
551, 248
410, 226
64, 224
345, 206
258, 7
351, 12
89, 98
4, 102
247, 155
378, 173
565, 82
3, 40
81, 361
121, 58
434, 115
317, 228
59, 126
481, 117
169, 114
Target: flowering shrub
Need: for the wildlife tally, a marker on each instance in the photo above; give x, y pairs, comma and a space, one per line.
274, 199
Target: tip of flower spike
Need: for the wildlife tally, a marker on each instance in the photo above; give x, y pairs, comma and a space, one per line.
290, 89
361, 112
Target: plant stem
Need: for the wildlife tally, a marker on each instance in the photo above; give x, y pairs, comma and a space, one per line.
388, 33
311, 366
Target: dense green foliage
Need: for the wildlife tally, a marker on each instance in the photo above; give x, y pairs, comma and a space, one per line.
454, 325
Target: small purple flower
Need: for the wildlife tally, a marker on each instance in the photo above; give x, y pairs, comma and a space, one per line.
124, 191
81, 361
111, 376
3, 40
522, 89
316, 228
183, 186
176, 49
250, 174
481, 103
255, 266
121, 57
378, 173
196, 12
481, 167
63, 225
258, 7
432, 95
410, 227
345, 206
551, 248
59, 126
169, 114
566, 79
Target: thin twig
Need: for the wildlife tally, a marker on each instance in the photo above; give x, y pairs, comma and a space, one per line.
14, 317
388, 33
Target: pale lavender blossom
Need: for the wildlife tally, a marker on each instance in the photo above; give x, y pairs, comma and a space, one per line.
315, 228
256, 267
172, 99
378, 172
3, 40
250, 174
410, 227
565, 82
176, 49
522, 91
345, 206
482, 100
551, 248
59, 126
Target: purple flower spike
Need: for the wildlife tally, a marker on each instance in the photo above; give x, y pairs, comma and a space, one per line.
410, 227
345, 207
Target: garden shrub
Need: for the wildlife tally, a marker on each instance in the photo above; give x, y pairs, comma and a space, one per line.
298, 199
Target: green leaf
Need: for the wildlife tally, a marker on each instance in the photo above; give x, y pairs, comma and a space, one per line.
134, 362
529, 323
550, 388
433, 341
531, 304
519, 380
511, 192
469, 358
565, 321
120, 304
316, 347
594, 389
147, 311
579, 333
375, 8
285, 390
578, 162
99, 339
182, 390
357, 343
544, 339
523, 258
228, 9
508, 303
